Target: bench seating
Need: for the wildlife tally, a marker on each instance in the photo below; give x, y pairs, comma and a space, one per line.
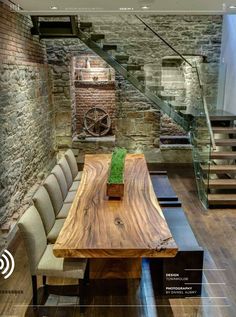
180, 276
163, 189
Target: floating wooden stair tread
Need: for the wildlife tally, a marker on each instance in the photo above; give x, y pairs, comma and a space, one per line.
156, 88
220, 169
223, 155
167, 98
134, 67
85, 25
225, 142
141, 77
108, 47
221, 183
219, 142
225, 130
222, 199
97, 36
221, 115
180, 107
122, 58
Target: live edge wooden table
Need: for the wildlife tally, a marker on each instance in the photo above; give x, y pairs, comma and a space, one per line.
115, 234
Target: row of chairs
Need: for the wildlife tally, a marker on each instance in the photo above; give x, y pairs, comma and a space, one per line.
42, 222
54, 198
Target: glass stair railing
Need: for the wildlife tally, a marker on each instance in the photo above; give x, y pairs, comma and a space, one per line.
172, 82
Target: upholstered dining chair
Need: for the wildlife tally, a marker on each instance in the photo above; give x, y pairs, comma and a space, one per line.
44, 206
70, 157
68, 196
66, 170
61, 209
42, 260
72, 185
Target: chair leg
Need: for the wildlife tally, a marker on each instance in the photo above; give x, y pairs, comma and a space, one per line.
81, 296
45, 286
86, 274
35, 290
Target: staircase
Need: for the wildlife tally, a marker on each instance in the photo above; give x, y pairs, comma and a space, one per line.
211, 181
120, 61
220, 180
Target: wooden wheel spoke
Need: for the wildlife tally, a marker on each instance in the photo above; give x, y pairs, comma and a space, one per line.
90, 118
91, 126
103, 117
104, 125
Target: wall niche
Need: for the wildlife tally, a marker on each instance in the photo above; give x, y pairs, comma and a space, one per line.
95, 97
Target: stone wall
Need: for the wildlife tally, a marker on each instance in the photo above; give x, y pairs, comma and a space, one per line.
137, 122
190, 35
26, 114
60, 55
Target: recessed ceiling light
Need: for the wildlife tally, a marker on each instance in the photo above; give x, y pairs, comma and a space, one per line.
145, 7
233, 7
53, 8
126, 9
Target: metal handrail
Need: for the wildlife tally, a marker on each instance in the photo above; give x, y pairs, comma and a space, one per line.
205, 108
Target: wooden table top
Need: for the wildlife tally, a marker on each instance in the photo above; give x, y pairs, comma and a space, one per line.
97, 227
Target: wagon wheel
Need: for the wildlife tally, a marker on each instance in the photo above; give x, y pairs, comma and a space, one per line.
97, 121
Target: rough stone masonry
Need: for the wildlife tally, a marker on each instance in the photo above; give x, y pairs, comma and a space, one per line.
26, 114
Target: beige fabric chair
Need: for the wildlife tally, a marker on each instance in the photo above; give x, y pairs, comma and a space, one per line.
72, 185
58, 172
76, 174
66, 170
61, 209
44, 206
41, 258
69, 155
68, 197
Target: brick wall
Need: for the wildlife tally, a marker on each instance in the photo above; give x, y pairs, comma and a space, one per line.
17, 45
91, 95
26, 116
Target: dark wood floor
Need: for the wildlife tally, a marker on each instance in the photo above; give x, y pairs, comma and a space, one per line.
216, 233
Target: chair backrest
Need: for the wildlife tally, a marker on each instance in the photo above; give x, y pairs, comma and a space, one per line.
54, 191
70, 157
33, 233
60, 176
44, 206
66, 170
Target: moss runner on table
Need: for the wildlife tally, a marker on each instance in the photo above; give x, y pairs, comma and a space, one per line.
117, 166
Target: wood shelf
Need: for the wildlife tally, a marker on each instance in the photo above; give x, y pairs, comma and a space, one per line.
79, 83
95, 69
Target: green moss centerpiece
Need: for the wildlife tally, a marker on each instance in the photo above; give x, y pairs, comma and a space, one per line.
115, 182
